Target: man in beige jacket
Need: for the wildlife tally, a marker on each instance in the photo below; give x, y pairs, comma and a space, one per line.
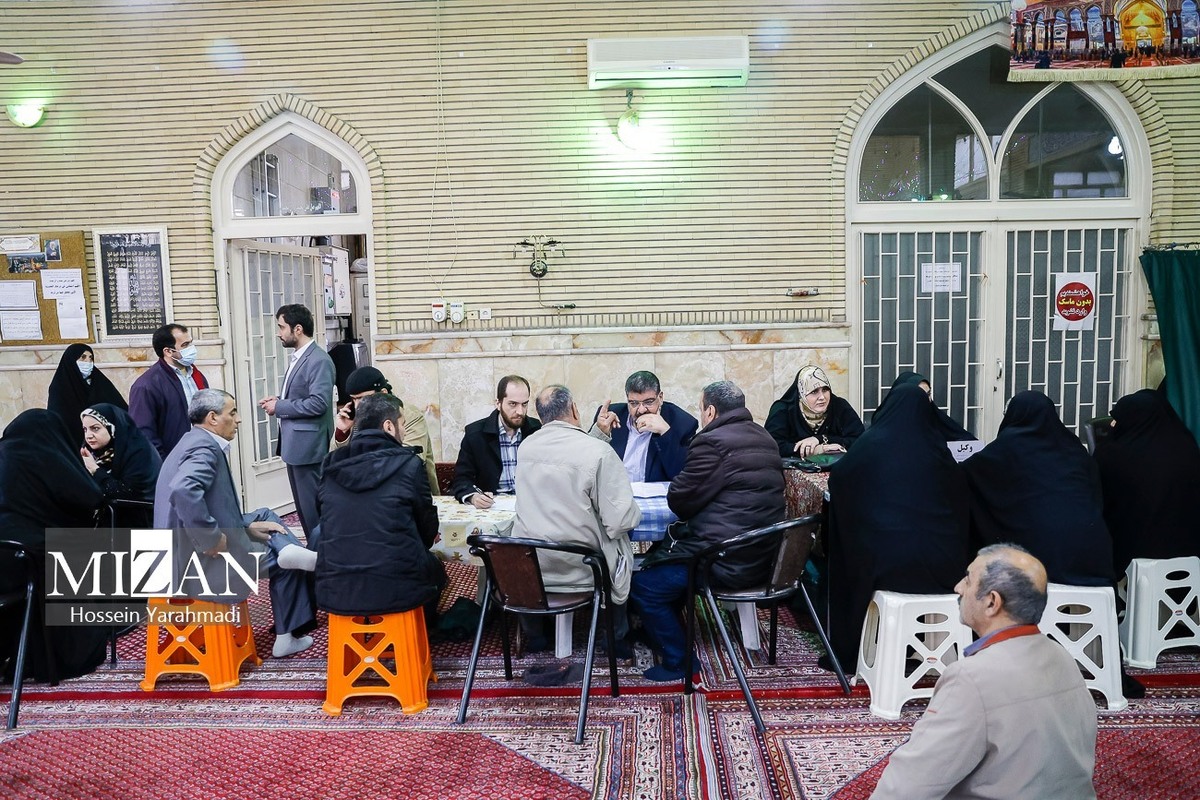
573, 488
1012, 719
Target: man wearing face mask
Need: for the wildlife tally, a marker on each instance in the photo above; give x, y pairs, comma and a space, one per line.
158, 399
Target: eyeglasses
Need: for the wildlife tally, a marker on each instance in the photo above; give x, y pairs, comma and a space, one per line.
646, 404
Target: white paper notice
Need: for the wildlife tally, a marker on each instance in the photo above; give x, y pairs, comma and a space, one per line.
941, 277
20, 244
1074, 301
504, 502
964, 450
21, 325
650, 489
123, 299
18, 294
62, 284
72, 319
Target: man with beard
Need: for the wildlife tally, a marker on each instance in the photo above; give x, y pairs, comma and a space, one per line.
304, 409
487, 457
651, 436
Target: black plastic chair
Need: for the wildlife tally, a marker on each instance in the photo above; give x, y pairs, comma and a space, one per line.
793, 540
1095, 431
21, 555
515, 577
131, 514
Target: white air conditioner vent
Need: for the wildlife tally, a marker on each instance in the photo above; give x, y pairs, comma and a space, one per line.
668, 62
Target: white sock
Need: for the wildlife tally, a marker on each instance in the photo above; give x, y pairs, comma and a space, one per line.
293, 556
288, 645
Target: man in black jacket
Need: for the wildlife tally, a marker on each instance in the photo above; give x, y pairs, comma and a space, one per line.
732, 482
487, 457
377, 520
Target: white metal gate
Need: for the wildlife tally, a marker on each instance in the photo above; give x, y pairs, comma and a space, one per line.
937, 303
922, 306
270, 275
1080, 370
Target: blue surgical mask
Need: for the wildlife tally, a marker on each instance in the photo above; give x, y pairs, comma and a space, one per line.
85, 368
187, 356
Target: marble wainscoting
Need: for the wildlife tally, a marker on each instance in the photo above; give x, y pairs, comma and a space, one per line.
453, 377
25, 372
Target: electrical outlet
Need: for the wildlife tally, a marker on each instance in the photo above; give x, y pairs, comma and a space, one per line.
472, 315
485, 313
438, 307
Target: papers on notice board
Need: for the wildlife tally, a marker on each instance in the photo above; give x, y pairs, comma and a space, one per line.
21, 325
16, 295
650, 489
964, 450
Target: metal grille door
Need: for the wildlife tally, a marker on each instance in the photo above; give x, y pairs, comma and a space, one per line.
272, 275
922, 310
1080, 370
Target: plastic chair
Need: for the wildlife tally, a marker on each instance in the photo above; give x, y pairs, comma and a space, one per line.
131, 514
905, 639
1094, 431
358, 646
214, 650
793, 540
1083, 619
22, 556
1162, 609
515, 577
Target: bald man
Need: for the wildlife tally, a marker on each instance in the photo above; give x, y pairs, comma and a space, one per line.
1012, 718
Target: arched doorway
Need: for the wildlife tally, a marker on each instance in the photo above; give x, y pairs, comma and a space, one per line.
286, 186
968, 199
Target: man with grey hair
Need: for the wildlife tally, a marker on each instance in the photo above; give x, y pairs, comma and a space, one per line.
650, 435
572, 488
1012, 718
732, 482
197, 499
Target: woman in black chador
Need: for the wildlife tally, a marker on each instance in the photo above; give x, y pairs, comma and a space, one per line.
951, 430
898, 516
120, 458
810, 419
1036, 486
1150, 472
77, 384
43, 485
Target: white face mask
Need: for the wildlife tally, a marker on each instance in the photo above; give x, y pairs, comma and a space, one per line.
187, 356
85, 368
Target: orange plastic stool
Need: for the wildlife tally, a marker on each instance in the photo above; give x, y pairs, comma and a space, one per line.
357, 648
214, 650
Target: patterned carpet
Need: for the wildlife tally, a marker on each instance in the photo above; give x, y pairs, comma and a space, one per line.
650, 743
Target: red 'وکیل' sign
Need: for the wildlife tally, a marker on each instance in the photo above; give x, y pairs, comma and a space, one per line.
1075, 301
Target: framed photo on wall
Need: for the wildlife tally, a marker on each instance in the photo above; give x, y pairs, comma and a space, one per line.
135, 280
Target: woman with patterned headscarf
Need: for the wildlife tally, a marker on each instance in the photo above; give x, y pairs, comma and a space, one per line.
810, 419
120, 458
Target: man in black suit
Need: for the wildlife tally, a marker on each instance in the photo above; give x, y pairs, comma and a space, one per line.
651, 436
487, 457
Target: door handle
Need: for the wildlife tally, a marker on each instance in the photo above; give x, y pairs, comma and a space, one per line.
999, 369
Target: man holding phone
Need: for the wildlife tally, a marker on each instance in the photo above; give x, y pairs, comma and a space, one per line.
366, 381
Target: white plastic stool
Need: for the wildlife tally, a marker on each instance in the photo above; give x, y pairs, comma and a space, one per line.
928, 626
1083, 619
1162, 609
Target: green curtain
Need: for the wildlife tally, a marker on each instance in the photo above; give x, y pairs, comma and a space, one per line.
1174, 278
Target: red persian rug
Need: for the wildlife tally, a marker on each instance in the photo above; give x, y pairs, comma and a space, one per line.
836, 749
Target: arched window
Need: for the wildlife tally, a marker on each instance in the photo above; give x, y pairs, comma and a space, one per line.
1095, 27
1190, 17
293, 177
926, 148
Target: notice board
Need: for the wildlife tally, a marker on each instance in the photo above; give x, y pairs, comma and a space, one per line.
43, 288
135, 280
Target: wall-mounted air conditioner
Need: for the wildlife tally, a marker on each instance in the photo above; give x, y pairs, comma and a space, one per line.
668, 62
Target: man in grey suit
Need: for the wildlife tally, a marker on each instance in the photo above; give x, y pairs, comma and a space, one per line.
196, 498
304, 409
1012, 718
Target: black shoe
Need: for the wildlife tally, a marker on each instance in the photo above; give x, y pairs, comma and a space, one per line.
1132, 688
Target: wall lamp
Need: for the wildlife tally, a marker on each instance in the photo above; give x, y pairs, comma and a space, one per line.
26, 115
